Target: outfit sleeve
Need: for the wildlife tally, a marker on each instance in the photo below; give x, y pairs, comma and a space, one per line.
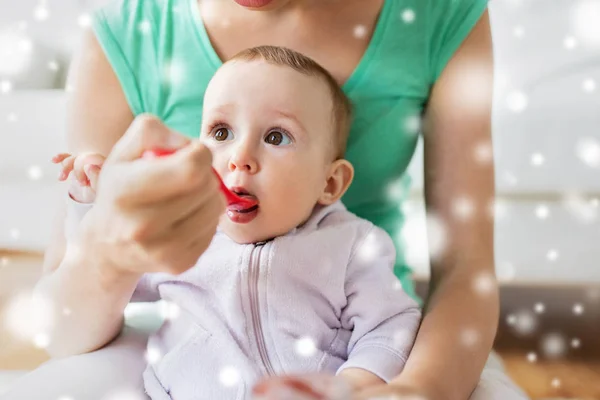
383, 319
145, 291
119, 27
448, 25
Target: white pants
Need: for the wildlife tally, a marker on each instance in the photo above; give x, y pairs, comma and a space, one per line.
115, 372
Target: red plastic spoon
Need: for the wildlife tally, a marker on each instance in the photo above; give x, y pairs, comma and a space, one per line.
231, 197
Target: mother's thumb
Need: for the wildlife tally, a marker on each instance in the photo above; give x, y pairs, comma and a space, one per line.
92, 171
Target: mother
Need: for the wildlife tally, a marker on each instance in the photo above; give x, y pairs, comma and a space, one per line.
397, 60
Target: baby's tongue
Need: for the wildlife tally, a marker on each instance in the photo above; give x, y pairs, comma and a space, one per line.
252, 202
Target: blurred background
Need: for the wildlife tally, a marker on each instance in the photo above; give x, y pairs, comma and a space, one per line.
546, 134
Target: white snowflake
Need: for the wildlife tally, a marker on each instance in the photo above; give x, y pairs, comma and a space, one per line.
53, 65
25, 45
28, 315
67, 311
525, 323
542, 211
229, 376
15, 233
41, 12
469, 337
369, 248
588, 151
145, 27
531, 357
463, 208
589, 85
41, 340
578, 309
575, 343
584, 21
5, 86
517, 101
539, 308
484, 283
360, 31
570, 42
395, 190
305, 347
519, 31
4, 261
174, 72
511, 319
552, 255
35, 172
403, 337
554, 345
424, 238
555, 383
483, 152
153, 355
412, 124
537, 159
84, 20
408, 16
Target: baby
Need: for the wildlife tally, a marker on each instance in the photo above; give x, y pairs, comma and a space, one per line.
295, 284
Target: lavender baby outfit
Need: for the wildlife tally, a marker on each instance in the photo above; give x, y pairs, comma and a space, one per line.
321, 298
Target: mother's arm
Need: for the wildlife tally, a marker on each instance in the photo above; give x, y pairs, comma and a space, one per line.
97, 116
460, 322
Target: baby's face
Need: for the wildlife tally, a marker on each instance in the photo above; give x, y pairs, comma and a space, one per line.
269, 129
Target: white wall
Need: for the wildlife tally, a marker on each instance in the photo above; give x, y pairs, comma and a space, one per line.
560, 117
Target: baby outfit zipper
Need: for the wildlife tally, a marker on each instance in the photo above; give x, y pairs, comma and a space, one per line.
253, 275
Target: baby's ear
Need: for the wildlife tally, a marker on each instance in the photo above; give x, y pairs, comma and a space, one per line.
339, 178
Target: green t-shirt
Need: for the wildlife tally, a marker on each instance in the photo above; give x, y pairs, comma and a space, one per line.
163, 58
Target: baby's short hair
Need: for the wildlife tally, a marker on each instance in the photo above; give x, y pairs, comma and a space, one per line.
342, 107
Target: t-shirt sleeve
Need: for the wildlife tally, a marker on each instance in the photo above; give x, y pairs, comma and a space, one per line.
119, 27
449, 23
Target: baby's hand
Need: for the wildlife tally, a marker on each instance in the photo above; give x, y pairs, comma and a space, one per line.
82, 186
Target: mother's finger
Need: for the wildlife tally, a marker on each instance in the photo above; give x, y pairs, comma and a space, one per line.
180, 247
148, 181
159, 219
145, 133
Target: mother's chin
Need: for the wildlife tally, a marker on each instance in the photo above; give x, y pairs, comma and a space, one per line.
259, 4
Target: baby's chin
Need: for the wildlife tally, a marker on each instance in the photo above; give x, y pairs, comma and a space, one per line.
252, 232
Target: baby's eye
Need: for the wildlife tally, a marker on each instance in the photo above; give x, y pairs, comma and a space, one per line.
277, 138
222, 134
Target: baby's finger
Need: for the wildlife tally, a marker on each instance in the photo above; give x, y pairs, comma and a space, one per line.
60, 157
85, 159
67, 167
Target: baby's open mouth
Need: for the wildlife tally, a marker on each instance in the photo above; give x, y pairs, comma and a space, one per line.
243, 209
